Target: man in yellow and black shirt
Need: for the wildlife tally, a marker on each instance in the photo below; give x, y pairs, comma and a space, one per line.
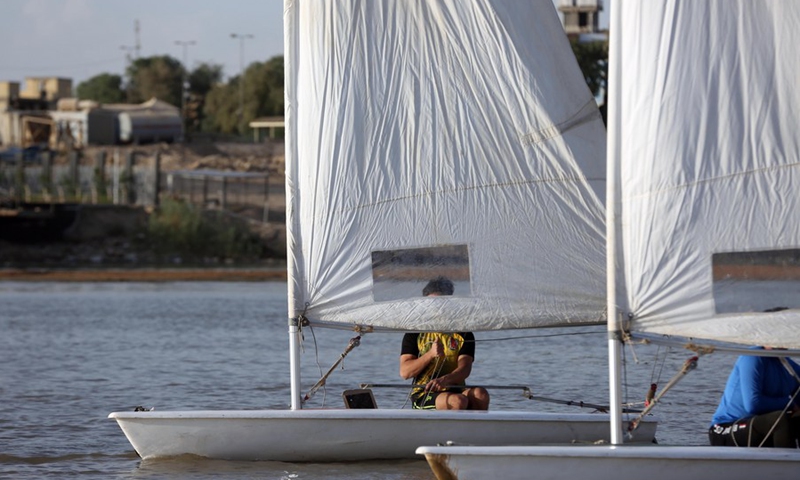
440, 361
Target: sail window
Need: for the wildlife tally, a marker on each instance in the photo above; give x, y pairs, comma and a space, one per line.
756, 281
403, 274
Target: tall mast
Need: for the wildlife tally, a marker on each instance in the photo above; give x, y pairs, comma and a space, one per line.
290, 92
612, 210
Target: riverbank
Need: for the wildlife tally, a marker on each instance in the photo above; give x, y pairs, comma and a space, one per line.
182, 237
275, 272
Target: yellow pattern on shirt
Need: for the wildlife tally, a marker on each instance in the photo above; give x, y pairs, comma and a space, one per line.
452, 343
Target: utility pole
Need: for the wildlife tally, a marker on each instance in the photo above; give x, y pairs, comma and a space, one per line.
128, 49
184, 81
136, 49
138, 46
242, 37
129, 61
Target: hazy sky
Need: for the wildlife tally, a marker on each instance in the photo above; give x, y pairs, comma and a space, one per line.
81, 38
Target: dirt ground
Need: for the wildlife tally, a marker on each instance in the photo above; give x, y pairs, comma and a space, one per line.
203, 154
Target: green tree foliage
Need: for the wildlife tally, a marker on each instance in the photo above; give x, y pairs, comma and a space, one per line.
264, 82
220, 109
103, 88
261, 95
211, 105
157, 76
203, 78
593, 60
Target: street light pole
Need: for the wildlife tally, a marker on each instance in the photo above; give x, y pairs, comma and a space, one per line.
184, 80
242, 37
129, 60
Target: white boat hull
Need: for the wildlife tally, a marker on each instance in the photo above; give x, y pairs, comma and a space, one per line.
611, 462
346, 435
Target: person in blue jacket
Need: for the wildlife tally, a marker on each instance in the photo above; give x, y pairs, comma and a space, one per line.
758, 405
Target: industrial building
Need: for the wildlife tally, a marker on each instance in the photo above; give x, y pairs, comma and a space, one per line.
45, 113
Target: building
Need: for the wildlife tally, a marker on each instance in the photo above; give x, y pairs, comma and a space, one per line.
24, 119
274, 126
580, 16
8, 92
49, 89
45, 113
82, 122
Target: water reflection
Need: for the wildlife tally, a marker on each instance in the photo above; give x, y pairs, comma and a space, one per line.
756, 281
402, 274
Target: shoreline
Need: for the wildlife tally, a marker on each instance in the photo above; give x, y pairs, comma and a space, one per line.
756, 272
145, 274
278, 273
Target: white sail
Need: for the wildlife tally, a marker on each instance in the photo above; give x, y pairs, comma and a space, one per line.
703, 125
457, 133
424, 138
709, 162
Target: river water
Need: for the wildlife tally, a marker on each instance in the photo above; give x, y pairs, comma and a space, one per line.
70, 353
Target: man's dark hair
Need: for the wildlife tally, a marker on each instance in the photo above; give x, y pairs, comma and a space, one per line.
439, 285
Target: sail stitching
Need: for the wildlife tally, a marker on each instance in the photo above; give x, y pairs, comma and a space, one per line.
586, 113
563, 179
709, 180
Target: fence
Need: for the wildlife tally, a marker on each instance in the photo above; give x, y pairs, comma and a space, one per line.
127, 177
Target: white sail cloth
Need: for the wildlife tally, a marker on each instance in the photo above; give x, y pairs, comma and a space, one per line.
709, 158
431, 123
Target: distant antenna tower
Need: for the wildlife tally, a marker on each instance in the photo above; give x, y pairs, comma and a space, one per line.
138, 42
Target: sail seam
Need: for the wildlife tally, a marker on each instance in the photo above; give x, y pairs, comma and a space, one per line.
565, 179
709, 180
587, 112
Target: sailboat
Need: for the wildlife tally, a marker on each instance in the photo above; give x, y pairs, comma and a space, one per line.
703, 174
424, 138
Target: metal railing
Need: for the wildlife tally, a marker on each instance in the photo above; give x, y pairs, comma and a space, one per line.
127, 178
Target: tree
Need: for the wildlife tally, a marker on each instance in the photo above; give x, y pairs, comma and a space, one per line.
593, 60
193, 112
157, 76
220, 109
265, 83
263, 96
103, 88
203, 78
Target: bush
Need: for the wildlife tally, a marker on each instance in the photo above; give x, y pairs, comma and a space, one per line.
180, 228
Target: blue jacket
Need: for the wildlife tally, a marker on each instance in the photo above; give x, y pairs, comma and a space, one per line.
756, 385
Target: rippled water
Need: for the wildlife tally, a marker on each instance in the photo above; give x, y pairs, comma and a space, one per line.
71, 353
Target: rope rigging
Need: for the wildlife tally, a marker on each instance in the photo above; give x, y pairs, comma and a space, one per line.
687, 367
353, 343
436, 367
547, 335
526, 392
652, 397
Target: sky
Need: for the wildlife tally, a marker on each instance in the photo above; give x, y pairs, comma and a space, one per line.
79, 39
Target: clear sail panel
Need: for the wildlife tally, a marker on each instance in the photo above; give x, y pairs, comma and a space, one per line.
405, 274
765, 281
